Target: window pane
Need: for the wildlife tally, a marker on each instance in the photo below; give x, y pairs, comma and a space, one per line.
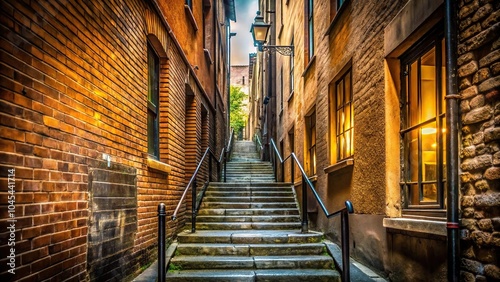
429, 157
151, 133
428, 84
413, 155
414, 194
413, 117
340, 95
443, 78
429, 193
347, 123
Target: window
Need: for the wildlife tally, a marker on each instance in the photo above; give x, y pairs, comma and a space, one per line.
342, 116
335, 9
153, 101
311, 143
292, 66
423, 124
339, 4
189, 3
310, 29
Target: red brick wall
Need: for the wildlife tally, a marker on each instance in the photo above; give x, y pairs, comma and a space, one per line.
73, 85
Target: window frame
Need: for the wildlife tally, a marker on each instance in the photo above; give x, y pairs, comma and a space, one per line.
291, 82
153, 101
311, 136
309, 29
433, 40
333, 109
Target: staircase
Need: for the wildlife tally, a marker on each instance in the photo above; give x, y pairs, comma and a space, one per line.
248, 229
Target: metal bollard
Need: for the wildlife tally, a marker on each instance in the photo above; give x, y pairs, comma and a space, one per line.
161, 242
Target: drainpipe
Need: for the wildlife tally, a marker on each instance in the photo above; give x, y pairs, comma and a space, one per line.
452, 157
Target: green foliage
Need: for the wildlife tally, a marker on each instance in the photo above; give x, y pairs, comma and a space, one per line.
146, 266
237, 113
174, 267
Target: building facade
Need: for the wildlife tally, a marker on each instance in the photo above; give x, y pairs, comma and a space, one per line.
106, 108
362, 104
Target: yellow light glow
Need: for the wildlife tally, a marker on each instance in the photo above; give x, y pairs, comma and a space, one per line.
429, 130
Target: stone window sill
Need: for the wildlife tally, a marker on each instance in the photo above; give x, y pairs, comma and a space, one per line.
336, 18
191, 17
290, 96
157, 165
340, 165
416, 225
309, 65
208, 56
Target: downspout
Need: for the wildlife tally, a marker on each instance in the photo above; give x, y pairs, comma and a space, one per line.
452, 156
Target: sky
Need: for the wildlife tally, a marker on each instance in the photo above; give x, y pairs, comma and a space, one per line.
242, 43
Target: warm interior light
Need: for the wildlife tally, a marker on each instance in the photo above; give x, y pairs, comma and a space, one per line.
428, 130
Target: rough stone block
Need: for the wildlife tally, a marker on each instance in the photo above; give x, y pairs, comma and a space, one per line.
481, 75
489, 59
492, 271
485, 225
482, 12
472, 266
478, 115
492, 173
491, 134
482, 185
489, 84
466, 58
487, 200
468, 69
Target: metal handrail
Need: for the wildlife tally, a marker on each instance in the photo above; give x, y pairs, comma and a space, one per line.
228, 153
343, 212
192, 183
258, 144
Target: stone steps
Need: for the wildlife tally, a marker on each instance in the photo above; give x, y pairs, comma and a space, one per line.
269, 275
255, 262
249, 229
262, 211
249, 237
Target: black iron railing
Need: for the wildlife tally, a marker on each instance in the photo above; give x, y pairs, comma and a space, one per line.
344, 213
258, 144
224, 156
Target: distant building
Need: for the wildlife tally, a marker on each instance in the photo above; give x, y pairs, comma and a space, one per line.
240, 78
362, 104
106, 109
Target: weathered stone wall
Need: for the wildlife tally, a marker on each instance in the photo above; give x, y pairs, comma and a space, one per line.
113, 222
479, 84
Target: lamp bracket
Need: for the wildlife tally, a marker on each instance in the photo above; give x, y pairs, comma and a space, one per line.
283, 50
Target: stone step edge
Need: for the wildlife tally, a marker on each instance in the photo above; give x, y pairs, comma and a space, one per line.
252, 275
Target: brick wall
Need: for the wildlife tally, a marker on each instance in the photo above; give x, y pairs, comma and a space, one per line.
479, 83
73, 86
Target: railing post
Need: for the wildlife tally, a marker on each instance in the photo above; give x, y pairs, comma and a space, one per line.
210, 168
193, 214
275, 165
283, 172
346, 267
304, 206
161, 242
218, 171
225, 166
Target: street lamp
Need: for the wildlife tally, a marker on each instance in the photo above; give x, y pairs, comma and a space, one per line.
259, 31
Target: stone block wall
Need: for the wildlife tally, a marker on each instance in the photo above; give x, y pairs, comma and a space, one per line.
113, 221
479, 86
